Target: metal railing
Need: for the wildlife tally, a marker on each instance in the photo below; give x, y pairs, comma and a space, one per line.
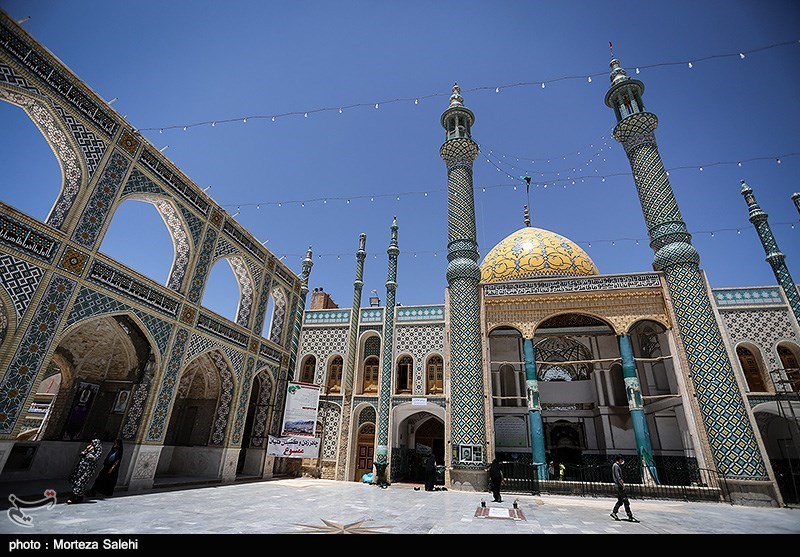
689, 484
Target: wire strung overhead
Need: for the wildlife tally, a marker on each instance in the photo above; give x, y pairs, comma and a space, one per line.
517, 180
741, 54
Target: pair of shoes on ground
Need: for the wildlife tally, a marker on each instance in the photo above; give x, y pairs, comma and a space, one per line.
497, 500
631, 518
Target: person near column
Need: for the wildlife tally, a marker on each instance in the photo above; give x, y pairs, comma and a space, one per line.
622, 497
495, 479
84, 470
107, 478
430, 472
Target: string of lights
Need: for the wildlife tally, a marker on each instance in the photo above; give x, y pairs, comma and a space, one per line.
517, 181
587, 243
742, 54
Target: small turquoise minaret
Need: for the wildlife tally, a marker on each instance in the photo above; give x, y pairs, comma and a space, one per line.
342, 459
385, 393
301, 306
467, 391
774, 256
727, 424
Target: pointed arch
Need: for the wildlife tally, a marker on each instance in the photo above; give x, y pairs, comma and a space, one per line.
73, 169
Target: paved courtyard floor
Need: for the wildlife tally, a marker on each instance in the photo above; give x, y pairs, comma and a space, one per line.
300, 505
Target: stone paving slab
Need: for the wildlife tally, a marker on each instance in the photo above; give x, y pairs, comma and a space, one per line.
300, 505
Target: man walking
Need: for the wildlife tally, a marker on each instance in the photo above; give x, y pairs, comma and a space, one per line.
622, 497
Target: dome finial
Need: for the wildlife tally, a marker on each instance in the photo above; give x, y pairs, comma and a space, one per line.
618, 74
456, 99
527, 216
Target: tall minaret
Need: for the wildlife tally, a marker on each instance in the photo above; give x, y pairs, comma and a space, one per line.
467, 404
796, 199
385, 393
774, 256
730, 433
301, 306
342, 464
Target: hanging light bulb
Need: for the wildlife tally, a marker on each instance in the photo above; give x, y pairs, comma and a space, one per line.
542, 84
376, 105
741, 55
273, 118
712, 234
515, 188
497, 89
690, 65
484, 190
426, 194
340, 111
590, 244
637, 242
348, 202
637, 70
258, 206
244, 121
778, 161
279, 205
324, 201
184, 128
739, 164
738, 231
416, 101
398, 198
372, 199
213, 124
589, 79
613, 243
305, 115
302, 204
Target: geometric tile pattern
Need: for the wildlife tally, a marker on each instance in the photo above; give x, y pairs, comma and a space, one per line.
20, 279
3, 322
221, 329
101, 201
236, 233
385, 391
164, 401
199, 344
201, 269
747, 296
9, 77
322, 342
329, 415
326, 317
31, 351
225, 398
224, 247
420, 341
731, 438
171, 179
280, 392
180, 241
73, 261
93, 147
761, 327
63, 150
367, 415
138, 402
128, 142
278, 315
90, 303
263, 299
420, 313
39, 64
132, 289
372, 346
194, 223
261, 415
585, 284
371, 315
468, 423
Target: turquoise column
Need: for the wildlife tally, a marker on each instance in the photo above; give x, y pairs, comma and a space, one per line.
774, 256
385, 393
731, 438
534, 410
640, 430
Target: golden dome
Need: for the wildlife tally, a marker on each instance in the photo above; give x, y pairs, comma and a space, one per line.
535, 253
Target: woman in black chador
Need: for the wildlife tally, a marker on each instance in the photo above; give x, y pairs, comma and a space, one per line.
84, 469
430, 472
107, 479
495, 479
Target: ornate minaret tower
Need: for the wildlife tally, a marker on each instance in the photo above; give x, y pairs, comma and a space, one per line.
385, 395
796, 199
730, 432
298, 319
774, 256
342, 464
467, 410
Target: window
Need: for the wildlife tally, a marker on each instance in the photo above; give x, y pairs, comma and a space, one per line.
790, 367
335, 375
307, 373
405, 374
751, 369
435, 375
370, 384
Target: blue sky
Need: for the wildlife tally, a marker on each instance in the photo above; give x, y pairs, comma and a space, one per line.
177, 63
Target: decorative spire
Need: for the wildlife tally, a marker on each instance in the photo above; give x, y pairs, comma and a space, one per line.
618, 74
456, 99
527, 216
756, 213
796, 199
393, 242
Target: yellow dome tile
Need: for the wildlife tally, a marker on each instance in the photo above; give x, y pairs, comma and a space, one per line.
535, 253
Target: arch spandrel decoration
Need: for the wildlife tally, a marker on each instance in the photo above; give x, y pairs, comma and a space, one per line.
62, 148
620, 309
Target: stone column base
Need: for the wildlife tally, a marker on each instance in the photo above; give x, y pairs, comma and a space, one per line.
253, 462
269, 464
142, 470
230, 458
461, 479
752, 493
